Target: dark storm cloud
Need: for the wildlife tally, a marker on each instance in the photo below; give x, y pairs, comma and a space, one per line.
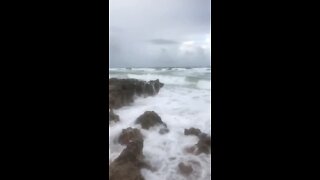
159, 32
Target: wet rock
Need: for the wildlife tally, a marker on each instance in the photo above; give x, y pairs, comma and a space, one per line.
192, 131
129, 135
123, 91
185, 169
164, 130
113, 117
191, 149
149, 119
127, 166
146, 165
204, 143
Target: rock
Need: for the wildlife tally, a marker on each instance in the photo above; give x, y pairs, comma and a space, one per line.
127, 166
113, 117
204, 143
164, 130
123, 91
192, 131
184, 169
149, 119
129, 135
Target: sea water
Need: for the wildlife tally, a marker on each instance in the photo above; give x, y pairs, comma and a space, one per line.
182, 103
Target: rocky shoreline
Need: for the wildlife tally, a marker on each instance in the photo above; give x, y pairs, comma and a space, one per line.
127, 165
123, 91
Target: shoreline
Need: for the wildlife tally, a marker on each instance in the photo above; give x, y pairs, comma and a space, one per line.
174, 149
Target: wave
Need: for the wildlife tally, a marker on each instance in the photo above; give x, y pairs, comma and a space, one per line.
179, 108
204, 85
182, 103
189, 81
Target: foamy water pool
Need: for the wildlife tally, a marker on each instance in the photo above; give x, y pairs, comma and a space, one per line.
183, 102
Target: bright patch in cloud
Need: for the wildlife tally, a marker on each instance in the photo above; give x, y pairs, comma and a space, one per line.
196, 48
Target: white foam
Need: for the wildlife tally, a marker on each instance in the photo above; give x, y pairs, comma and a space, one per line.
166, 79
204, 85
180, 107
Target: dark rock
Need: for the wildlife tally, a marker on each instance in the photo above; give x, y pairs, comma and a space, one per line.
163, 130
204, 143
149, 119
127, 166
123, 91
129, 135
192, 131
113, 117
185, 169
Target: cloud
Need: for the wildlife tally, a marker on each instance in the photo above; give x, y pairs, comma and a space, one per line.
163, 41
157, 32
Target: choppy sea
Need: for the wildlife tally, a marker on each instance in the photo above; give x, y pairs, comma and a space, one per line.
183, 102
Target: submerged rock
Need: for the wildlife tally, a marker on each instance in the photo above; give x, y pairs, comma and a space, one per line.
185, 169
164, 130
204, 143
123, 91
192, 131
149, 119
129, 135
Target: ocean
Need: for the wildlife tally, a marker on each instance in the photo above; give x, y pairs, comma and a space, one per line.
182, 103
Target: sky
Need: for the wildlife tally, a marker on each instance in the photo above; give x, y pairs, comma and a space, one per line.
159, 33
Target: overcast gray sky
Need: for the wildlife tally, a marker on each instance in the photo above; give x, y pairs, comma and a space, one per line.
151, 33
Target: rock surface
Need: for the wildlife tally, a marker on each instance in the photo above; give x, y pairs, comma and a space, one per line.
204, 143
113, 117
127, 166
185, 169
149, 119
192, 131
123, 91
129, 135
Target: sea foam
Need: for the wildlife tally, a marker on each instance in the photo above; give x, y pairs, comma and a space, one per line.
181, 104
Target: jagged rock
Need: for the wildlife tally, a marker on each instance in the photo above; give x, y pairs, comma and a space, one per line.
204, 143
149, 119
113, 117
129, 135
185, 169
123, 91
127, 166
